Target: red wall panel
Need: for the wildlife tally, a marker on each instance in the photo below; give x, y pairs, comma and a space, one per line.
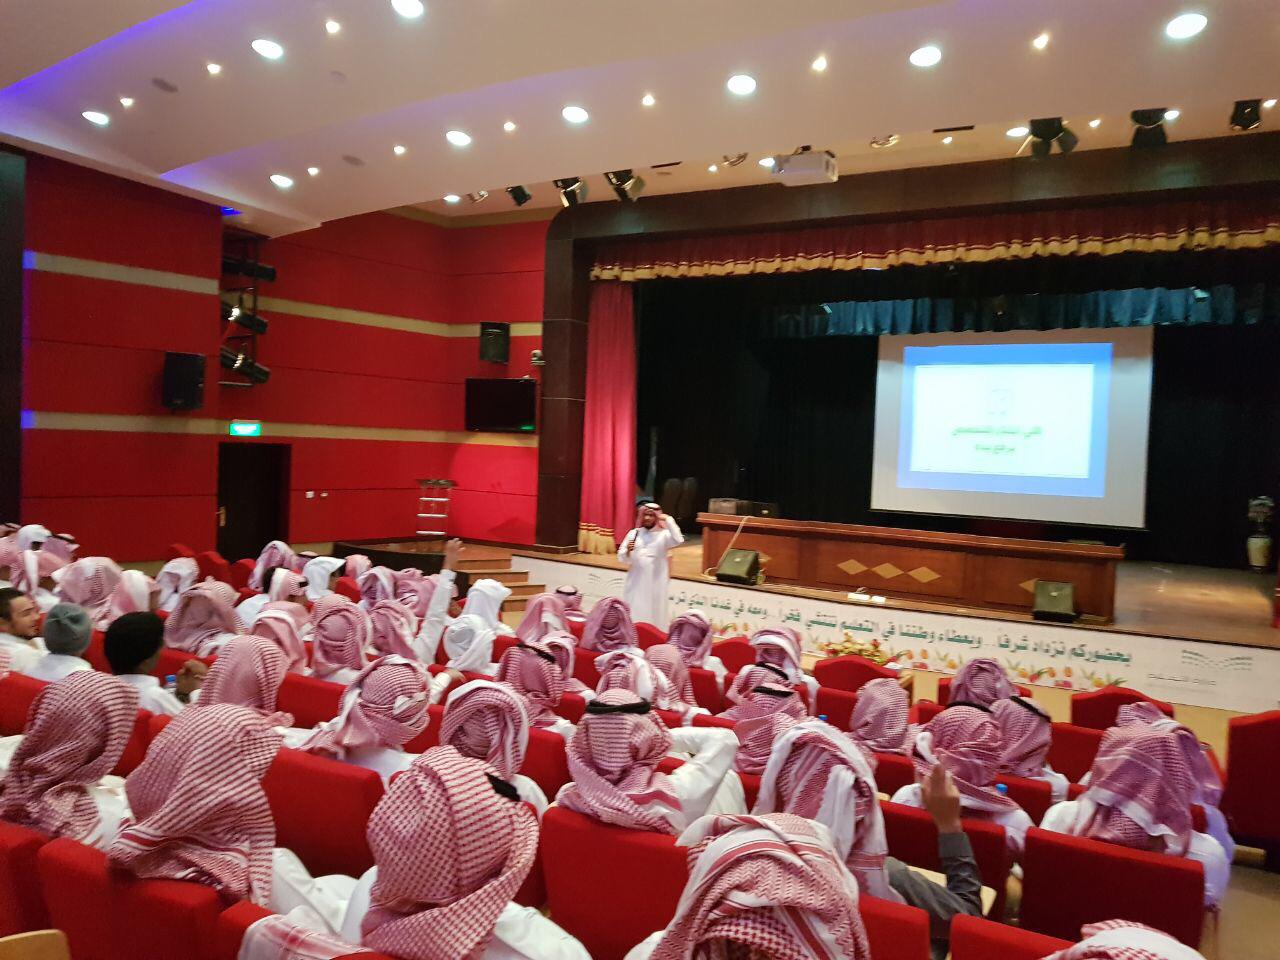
80, 378
128, 528
78, 463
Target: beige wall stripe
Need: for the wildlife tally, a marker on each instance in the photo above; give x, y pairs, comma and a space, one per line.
319, 311
101, 270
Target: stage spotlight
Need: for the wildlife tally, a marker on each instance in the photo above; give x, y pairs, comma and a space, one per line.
1148, 127
238, 363
242, 318
478, 195
519, 195
247, 268
1048, 131
573, 190
625, 184
1246, 115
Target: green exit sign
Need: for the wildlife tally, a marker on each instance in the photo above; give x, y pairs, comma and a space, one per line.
244, 428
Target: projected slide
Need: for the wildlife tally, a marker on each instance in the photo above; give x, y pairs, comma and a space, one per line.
1006, 418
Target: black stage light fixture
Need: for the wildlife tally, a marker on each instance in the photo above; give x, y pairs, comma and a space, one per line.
243, 365
243, 318
625, 184
1246, 114
1047, 131
519, 195
573, 190
1148, 127
247, 268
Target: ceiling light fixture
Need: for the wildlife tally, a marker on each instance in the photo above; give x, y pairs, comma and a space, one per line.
282, 181
126, 102
767, 162
332, 26
409, 9
573, 190
1096, 122
1246, 114
948, 140
1185, 26
509, 126
1017, 132
819, 64
625, 184
1172, 114
96, 117
880, 143
313, 171
926, 56
648, 100
1041, 41
1148, 127
267, 48
213, 68
451, 198
458, 138
741, 84
519, 195
1268, 104
399, 149
713, 169
575, 114
734, 160
478, 195
1048, 131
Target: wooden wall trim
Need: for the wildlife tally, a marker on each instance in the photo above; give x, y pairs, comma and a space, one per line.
13, 184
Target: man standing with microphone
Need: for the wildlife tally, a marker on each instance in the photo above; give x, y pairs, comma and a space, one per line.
645, 551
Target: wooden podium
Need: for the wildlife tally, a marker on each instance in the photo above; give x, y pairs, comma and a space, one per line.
955, 568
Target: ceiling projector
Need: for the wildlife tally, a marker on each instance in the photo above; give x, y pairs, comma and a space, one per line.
805, 167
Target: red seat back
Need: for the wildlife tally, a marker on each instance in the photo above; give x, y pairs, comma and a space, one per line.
246, 593
1070, 881
584, 668
576, 627
926, 710
895, 931
230, 929
241, 571
706, 689
1033, 796
750, 787
648, 635
347, 587
1098, 709
311, 701
735, 653
177, 550
111, 915
571, 707
836, 705
944, 691
96, 653
171, 661
1072, 749
17, 690
545, 762
321, 808
703, 720
973, 938
501, 644
592, 868
211, 564
21, 905
849, 672
893, 772
137, 746
913, 839
429, 737
1253, 779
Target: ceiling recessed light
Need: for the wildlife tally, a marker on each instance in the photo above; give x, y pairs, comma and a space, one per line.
313, 171
282, 181
1268, 104
509, 126
267, 48
880, 143
741, 84
575, 114
819, 64
1172, 114
948, 140
713, 169
399, 149
451, 198
458, 138
766, 161
1017, 132
408, 8
96, 117
1185, 26
213, 68
647, 100
1096, 122
332, 26
1041, 41
126, 102
926, 56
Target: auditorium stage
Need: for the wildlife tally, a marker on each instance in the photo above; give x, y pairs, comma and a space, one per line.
1191, 635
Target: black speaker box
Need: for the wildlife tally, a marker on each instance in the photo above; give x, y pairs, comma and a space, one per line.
495, 342
1054, 601
739, 566
182, 387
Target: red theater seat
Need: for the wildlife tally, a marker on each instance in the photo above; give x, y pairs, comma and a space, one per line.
1070, 881
177, 550
347, 587
429, 737
501, 644
975, 939
893, 772
944, 691
836, 705
137, 746
21, 905
895, 931
584, 668
321, 808
706, 689
212, 564
96, 654
245, 593
235, 920
171, 661
241, 571
1253, 782
311, 701
750, 787
703, 720
913, 839
1072, 749
576, 627
572, 707
17, 690
111, 915
592, 868
849, 672
1098, 709
735, 653
926, 710
649, 635
1033, 796
545, 761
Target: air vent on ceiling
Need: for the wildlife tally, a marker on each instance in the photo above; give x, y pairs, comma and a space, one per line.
354, 161
160, 83
963, 129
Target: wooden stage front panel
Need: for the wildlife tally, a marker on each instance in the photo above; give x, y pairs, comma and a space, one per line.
985, 572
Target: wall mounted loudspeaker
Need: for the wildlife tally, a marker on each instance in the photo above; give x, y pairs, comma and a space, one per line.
495, 342
1054, 601
739, 566
182, 387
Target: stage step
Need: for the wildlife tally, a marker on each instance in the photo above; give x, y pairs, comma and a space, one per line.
479, 561
501, 574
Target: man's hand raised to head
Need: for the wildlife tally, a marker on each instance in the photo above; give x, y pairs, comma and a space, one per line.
941, 799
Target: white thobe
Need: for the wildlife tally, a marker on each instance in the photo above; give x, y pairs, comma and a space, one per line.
644, 550
55, 666
23, 654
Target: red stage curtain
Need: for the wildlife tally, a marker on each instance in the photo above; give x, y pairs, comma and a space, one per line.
609, 433
1225, 224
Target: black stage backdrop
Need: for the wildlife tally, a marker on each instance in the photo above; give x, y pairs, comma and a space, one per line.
758, 390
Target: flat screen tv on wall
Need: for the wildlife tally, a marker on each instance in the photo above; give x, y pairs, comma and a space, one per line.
502, 405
